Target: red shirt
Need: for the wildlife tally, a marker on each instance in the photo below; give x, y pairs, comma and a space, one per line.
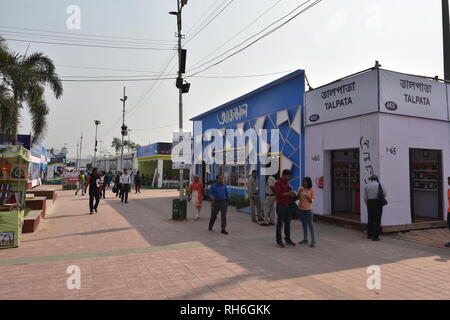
281, 187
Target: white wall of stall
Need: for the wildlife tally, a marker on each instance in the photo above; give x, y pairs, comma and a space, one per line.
343, 134
403, 133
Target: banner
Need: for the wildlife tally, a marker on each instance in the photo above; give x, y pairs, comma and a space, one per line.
351, 97
412, 96
70, 176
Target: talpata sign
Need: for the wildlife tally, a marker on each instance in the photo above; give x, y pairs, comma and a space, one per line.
412, 96
346, 98
234, 114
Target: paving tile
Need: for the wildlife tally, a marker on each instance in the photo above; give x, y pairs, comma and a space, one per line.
136, 252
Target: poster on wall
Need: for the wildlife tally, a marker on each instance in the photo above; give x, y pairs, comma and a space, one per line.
412, 96
350, 97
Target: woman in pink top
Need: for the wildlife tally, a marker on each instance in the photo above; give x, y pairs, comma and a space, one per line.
196, 190
306, 196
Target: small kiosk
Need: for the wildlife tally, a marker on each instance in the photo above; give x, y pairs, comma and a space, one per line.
13, 180
381, 122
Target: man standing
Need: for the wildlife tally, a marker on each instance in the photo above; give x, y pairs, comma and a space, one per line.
94, 192
219, 195
253, 194
117, 184
81, 182
269, 202
374, 207
285, 197
138, 182
448, 210
125, 182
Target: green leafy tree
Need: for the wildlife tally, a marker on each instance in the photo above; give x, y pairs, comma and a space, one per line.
23, 80
116, 145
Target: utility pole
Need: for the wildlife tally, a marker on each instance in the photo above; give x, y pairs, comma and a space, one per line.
78, 154
81, 144
129, 140
182, 87
94, 162
124, 128
446, 35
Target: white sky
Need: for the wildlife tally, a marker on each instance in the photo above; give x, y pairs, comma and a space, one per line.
332, 40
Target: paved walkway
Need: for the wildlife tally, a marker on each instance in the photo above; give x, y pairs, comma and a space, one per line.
134, 251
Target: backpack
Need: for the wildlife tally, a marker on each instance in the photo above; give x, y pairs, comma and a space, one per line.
381, 197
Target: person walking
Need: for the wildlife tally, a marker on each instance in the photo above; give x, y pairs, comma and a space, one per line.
104, 183
253, 194
448, 210
81, 182
94, 192
219, 195
109, 178
285, 198
117, 183
138, 179
196, 191
372, 193
306, 196
269, 202
125, 183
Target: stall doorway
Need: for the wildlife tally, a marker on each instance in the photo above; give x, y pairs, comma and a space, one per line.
426, 184
345, 192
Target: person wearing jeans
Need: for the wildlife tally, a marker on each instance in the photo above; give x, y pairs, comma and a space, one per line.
285, 197
306, 196
218, 193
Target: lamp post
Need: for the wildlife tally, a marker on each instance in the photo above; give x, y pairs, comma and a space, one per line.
124, 128
94, 163
446, 38
182, 87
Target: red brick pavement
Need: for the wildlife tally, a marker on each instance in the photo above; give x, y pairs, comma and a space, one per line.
134, 251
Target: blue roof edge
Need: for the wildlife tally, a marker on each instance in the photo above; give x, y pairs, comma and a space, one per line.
251, 93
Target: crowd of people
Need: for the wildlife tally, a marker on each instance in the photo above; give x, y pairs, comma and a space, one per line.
282, 200
96, 183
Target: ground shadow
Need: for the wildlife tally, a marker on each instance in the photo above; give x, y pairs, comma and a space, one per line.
247, 245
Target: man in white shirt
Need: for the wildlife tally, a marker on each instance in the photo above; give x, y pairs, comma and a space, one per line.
125, 182
374, 207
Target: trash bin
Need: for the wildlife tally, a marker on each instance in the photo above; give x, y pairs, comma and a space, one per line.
179, 209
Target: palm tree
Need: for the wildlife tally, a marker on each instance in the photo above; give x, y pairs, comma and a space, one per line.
116, 145
23, 81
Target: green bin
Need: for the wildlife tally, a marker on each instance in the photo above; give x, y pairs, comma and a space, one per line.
179, 209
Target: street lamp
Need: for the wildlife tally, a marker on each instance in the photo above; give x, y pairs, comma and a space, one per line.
97, 122
124, 128
183, 86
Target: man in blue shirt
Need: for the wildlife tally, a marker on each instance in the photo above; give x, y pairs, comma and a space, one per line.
218, 194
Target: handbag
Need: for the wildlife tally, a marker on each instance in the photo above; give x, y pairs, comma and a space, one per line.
381, 197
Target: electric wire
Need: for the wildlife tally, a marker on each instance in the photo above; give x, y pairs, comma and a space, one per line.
255, 41
249, 38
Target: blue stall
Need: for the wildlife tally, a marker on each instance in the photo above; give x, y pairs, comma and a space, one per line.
277, 105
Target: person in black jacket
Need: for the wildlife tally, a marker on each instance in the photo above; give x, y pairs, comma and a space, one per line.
94, 192
117, 183
138, 179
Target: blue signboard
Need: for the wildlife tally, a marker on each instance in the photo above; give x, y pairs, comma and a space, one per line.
277, 105
159, 148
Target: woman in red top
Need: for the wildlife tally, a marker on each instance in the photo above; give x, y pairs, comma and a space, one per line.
196, 190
